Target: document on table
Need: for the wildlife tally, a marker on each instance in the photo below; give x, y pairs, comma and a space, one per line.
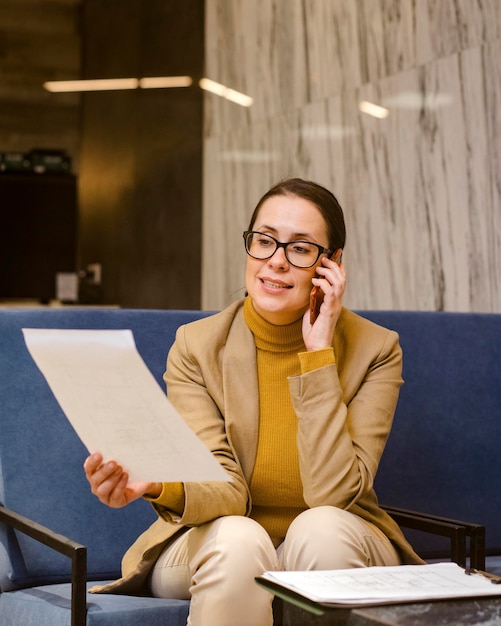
381, 585
117, 407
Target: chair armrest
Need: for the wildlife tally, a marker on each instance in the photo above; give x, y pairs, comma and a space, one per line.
456, 530
75, 551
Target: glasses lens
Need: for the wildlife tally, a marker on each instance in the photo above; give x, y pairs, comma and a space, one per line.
302, 253
260, 246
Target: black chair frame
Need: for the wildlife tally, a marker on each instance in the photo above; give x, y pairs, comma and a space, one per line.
75, 551
457, 531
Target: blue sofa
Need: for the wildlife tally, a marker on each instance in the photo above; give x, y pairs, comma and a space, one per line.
442, 459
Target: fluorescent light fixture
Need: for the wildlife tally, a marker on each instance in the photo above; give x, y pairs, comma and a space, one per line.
373, 109
105, 84
114, 84
152, 82
162, 82
225, 92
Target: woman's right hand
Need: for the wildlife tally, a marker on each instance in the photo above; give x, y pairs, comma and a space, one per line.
111, 485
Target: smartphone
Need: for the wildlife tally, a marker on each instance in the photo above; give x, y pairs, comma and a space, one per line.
316, 298
317, 295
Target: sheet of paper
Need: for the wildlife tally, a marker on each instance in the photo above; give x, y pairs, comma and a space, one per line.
116, 406
379, 585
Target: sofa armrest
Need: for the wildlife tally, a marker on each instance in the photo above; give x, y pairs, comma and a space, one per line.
456, 530
75, 551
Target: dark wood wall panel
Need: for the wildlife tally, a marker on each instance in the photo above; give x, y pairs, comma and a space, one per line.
38, 229
141, 154
40, 40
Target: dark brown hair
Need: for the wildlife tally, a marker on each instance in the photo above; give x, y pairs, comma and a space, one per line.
322, 198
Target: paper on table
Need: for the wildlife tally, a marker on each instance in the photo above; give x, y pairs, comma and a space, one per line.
116, 406
383, 585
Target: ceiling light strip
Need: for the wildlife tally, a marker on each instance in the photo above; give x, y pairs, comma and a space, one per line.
115, 84
151, 82
225, 92
162, 82
373, 109
105, 84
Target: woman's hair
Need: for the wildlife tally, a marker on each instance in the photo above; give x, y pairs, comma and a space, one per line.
321, 197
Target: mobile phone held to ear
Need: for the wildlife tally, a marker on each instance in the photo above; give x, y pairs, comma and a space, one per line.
316, 298
317, 295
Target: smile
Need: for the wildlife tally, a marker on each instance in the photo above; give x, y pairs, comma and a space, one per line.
272, 285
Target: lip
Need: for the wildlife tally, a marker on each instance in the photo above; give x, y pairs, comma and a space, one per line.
273, 285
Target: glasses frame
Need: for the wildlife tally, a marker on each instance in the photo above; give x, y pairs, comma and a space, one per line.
282, 244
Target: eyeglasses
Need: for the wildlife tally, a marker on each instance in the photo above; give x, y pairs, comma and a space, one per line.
298, 253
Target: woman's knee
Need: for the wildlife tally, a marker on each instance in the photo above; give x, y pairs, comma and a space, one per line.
327, 537
322, 523
231, 548
233, 539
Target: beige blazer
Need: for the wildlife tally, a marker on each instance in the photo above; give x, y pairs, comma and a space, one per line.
344, 412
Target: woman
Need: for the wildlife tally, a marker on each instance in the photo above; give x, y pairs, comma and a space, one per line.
298, 414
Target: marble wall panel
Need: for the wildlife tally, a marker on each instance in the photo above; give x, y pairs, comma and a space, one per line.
449, 26
333, 53
421, 188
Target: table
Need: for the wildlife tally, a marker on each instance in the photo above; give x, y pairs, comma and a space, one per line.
467, 612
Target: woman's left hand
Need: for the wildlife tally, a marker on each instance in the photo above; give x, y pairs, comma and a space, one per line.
331, 279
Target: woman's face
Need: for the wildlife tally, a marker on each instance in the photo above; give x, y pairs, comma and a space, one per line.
280, 291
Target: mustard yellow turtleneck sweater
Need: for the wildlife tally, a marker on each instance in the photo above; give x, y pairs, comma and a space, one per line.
276, 487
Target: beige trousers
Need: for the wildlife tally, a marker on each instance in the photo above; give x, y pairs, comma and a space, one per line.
215, 564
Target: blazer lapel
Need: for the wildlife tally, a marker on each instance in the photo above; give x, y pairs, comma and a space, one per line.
241, 393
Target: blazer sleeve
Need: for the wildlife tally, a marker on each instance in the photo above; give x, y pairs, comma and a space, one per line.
345, 412
187, 390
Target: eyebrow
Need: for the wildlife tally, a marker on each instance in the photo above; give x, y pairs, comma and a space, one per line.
295, 236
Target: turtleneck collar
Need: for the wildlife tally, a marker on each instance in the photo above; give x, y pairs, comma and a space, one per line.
273, 337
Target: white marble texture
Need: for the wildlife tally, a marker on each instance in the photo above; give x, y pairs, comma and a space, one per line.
421, 189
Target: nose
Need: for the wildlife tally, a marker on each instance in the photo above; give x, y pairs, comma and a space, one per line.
278, 258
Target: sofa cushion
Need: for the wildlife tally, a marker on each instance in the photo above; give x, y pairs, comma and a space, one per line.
50, 606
